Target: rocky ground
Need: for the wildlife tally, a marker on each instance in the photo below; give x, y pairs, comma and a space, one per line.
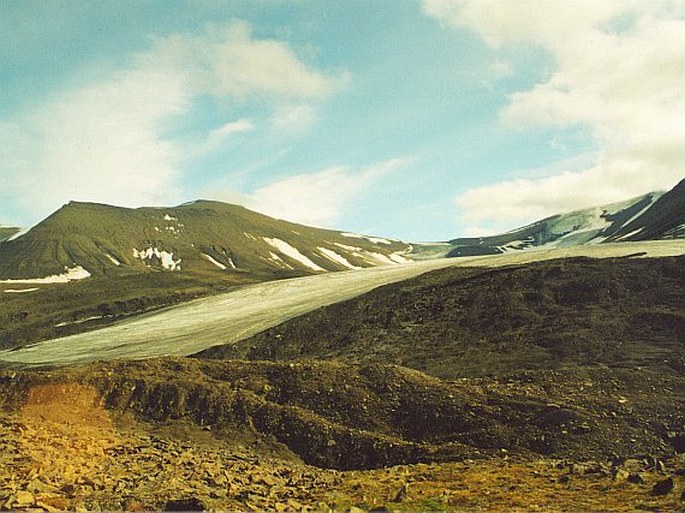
54, 465
185, 434
555, 386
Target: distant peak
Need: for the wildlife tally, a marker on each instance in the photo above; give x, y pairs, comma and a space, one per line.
207, 203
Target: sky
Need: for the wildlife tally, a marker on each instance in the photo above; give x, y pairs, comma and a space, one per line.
421, 120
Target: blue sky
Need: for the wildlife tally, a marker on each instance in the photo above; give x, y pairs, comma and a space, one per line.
421, 120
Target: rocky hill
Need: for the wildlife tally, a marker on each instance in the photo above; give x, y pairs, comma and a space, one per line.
663, 220
458, 322
84, 239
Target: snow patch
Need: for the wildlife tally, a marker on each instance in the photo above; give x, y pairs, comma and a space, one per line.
378, 258
167, 217
20, 291
75, 273
219, 264
634, 232
279, 260
21, 232
79, 321
249, 236
348, 248
649, 205
289, 251
399, 258
332, 255
374, 257
166, 258
112, 259
378, 240
374, 240
582, 221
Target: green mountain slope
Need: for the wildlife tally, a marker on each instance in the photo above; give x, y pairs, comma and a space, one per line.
108, 240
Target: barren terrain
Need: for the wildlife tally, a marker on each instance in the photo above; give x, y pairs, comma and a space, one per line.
230, 317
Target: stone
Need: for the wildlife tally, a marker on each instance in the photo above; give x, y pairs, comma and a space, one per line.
636, 478
23, 498
633, 465
620, 474
37, 486
401, 493
663, 487
187, 504
48, 507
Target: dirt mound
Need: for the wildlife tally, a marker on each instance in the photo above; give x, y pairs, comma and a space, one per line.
354, 417
625, 313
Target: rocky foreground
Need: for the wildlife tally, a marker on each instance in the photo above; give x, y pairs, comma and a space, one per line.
55, 465
179, 434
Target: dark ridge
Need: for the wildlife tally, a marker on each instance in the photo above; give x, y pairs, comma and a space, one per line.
335, 415
665, 216
623, 313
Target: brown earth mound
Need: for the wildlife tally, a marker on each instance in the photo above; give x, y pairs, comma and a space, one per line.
354, 417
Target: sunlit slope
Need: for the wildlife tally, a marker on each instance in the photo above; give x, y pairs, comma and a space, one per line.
103, 239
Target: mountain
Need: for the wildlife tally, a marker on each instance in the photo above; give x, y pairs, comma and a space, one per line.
663, 220
6, 232
83, 239
653, 216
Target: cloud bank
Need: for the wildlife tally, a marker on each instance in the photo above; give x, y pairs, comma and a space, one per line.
107, 140
317, 199
620, 70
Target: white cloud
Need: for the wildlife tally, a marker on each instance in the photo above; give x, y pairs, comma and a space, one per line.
620, 70
505, 205
107, 140
97, 143
218, 136
318, 198
228, 61
293, 119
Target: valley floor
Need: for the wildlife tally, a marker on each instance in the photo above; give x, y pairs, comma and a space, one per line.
346, 428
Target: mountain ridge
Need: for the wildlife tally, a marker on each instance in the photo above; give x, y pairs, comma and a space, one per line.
202, 235
84, 238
